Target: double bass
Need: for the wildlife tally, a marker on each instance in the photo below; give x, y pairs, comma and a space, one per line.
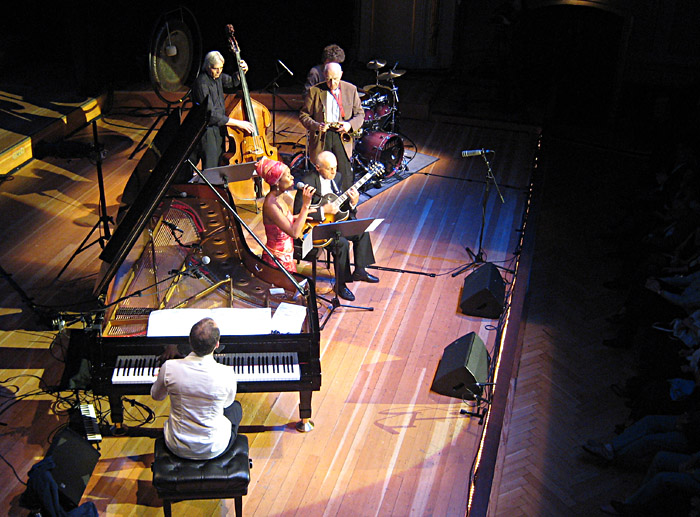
242, 147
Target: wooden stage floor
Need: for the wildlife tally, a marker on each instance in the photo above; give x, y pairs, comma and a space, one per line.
383, 443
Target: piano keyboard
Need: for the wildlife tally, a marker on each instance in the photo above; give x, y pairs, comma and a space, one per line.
247, 367
92, 428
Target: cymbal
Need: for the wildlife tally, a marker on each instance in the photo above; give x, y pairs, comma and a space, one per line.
362, 93
376, 64
391, 74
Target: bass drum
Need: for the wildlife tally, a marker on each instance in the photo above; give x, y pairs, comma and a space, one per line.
385, 148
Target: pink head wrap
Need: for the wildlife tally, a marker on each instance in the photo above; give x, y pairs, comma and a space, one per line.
270, 170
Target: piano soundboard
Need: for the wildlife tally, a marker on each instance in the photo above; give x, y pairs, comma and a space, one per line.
246, 367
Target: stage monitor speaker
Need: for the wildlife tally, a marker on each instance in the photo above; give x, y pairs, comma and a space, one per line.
463, 367
483, 294
75, 460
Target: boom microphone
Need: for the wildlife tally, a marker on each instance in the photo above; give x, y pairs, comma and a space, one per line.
173, 227
285, 67
476, 152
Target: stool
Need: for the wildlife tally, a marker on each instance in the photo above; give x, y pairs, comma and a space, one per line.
224, 477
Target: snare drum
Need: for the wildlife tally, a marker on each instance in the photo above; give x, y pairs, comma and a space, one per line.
385, 148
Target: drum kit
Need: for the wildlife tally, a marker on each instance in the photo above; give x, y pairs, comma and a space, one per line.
379, 141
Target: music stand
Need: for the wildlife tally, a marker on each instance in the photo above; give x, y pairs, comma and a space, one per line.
231, 174
228, 173
335, 231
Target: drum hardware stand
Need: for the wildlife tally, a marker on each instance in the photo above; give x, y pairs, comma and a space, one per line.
478, 257
104, 218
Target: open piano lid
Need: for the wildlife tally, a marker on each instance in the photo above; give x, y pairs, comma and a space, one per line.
149, 197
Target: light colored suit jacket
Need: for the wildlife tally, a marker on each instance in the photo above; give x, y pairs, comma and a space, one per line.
312, 115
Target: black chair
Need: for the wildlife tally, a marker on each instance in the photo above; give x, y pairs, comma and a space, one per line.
224, 477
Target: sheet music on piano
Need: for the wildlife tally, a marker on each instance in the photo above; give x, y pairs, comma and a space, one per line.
288, 319
232, 321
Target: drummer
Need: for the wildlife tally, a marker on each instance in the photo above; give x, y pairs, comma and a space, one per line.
332, 113
331, 54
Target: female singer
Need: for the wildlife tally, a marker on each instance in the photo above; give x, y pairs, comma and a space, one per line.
281, 227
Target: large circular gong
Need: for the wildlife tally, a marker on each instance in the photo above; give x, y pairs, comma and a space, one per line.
174, 56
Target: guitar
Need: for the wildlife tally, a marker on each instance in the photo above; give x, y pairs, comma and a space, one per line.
374, 169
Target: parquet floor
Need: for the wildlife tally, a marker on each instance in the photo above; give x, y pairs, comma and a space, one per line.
383, 442
562, 391
563, 394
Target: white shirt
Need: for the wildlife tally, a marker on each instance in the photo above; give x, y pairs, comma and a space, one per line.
199, 390
326, 187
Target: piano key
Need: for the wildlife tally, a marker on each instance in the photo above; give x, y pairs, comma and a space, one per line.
247, 367
92, 428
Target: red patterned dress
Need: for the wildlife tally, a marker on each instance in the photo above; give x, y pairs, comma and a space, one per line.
281, 245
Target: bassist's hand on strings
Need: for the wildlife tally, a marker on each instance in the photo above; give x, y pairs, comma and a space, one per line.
244, 66
243, 125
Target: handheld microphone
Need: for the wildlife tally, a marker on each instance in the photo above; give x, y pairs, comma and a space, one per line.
476, 152
300, 185
285, 67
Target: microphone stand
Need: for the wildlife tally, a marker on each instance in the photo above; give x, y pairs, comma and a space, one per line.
478, 257
104, 219
480, 413
274, 85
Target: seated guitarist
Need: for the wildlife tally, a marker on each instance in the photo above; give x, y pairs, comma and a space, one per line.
324, 183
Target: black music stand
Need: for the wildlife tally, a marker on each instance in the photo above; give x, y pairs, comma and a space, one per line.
227, 174
232, 173
335, 231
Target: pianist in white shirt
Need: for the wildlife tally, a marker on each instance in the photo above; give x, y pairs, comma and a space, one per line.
204, 415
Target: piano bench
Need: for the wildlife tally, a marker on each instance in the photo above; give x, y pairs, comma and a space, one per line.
224, 477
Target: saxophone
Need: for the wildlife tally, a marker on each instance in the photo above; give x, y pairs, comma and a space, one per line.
337, 126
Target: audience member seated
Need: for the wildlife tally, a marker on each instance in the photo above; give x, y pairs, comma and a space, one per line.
638, 444
670, 482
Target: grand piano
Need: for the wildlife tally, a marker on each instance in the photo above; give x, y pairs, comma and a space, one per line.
179, 247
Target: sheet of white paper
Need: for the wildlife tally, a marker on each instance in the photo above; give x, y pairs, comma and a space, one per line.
231, 321
288, 318
374, 225
307, 244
